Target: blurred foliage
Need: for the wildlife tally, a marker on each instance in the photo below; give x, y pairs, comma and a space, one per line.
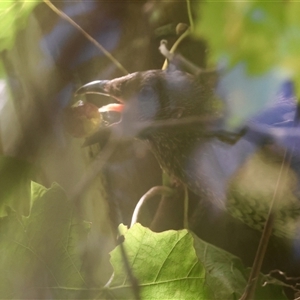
14, 15
42, 255
15, 185
43, 238
44, 249
262, 34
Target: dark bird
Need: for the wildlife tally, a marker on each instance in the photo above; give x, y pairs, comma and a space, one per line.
181, 118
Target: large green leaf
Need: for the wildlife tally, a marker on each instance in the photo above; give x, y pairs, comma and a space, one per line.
40, 255
165, 265
178, 265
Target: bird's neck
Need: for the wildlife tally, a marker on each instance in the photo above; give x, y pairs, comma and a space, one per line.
173, 149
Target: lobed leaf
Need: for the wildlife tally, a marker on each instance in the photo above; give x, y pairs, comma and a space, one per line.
40, 255
178, 265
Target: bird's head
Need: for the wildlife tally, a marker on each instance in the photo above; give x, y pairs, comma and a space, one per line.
155, 95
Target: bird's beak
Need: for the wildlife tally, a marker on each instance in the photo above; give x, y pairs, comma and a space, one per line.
100, 87
95, 87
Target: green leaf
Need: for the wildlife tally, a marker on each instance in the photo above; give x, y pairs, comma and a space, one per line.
260, 34
15, 185
227, 277
178, 265
165, 265
242, 31
13, 16
40, 255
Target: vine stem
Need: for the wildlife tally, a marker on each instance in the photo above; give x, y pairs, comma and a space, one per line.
164, 67
175, 45
189, 11
184, 35
157, 190
91, 39
186, 208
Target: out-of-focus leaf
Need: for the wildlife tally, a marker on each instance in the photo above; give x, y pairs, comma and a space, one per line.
2, 70
178, 265
15, 184
13, 16
262, 35
243, 31
40, 255
290, 43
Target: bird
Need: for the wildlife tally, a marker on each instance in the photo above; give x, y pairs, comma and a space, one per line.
181, 117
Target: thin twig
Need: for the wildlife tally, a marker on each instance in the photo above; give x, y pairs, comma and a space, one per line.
177, 123
263, 243
85, 182
182, 63
189, 11
268, 279
1, 144
165, 51
142, 129
91, 39
175, 45
132, 279
183, 36
186, 208
178, 60
289, 278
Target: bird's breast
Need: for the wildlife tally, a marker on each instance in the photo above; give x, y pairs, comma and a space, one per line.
245, 189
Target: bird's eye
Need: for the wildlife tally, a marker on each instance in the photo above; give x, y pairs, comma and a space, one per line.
148, 102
